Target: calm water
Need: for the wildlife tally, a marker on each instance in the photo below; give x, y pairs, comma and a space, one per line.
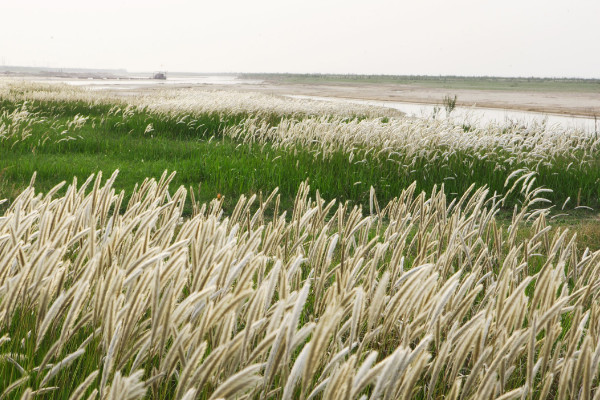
477, 115
143, 80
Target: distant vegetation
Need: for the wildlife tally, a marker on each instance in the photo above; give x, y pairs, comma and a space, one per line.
450, 82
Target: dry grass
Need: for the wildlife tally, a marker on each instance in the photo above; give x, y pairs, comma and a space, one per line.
188, 101
406, 141
18, 126
415, 298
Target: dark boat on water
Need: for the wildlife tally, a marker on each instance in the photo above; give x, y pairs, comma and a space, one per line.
159, 75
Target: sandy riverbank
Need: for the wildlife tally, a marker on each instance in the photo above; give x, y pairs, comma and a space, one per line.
566, 103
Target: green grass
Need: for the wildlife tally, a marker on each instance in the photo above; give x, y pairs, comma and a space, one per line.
196, 149
24, 352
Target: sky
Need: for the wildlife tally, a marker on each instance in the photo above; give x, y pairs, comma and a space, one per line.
547, 38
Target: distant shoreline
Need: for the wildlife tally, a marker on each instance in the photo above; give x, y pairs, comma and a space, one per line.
447, 82
576, 101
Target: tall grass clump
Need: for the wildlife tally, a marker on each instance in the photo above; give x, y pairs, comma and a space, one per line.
20, 125
420, 297
432, 151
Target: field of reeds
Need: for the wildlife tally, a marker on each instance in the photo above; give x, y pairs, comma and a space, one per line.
417, 298
328, 253
244, 143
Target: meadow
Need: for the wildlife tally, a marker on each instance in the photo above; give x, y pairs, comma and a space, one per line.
294, 249
244, 143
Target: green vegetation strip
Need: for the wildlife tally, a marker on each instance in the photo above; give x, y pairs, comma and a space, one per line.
142, 143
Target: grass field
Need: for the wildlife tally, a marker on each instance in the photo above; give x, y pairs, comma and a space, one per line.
397, 258
235, 149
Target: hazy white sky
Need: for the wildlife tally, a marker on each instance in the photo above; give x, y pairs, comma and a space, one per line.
459, 37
